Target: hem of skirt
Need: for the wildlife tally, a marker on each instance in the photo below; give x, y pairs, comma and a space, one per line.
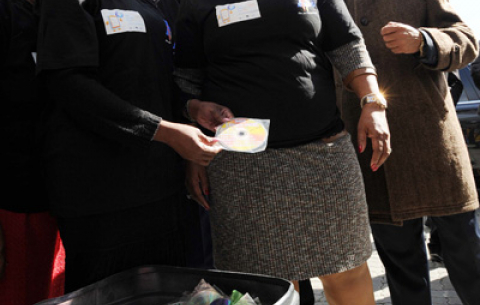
332, 271
305, 275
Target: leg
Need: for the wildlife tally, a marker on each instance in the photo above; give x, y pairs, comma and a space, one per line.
434, 245
350, 287
404, 255
194, 238
296, 285
306, 292
207, 238
98, 246
198, 241
2, 252
460, 238
30, 241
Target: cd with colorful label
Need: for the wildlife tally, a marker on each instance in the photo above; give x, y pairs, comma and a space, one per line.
243, 134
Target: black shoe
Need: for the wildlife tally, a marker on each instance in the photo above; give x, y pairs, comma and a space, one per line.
435, 251
435, 257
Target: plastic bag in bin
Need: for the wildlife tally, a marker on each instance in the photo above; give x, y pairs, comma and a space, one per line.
206, 294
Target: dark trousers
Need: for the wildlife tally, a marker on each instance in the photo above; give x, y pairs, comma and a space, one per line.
98, 246
199, 249
306, 294
403, 253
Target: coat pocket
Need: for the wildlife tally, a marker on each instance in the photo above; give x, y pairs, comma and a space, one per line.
433, 90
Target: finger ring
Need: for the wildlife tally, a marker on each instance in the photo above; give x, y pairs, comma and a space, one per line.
189, 197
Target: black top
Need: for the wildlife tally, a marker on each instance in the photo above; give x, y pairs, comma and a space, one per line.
273, 67
110, 91
23, 103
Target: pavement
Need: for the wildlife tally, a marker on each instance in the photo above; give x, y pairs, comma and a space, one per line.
442, 290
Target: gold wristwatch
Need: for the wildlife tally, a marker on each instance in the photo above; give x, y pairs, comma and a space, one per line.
376, 98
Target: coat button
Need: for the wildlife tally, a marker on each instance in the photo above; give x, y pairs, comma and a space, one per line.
364, 21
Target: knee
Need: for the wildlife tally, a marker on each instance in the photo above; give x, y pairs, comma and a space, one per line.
359, 275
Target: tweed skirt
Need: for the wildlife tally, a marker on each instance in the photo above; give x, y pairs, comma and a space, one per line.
293, 213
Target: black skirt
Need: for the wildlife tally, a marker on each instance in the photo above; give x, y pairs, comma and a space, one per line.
98, 246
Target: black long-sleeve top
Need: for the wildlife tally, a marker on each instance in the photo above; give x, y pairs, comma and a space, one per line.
273, 61
23, 106
108, 66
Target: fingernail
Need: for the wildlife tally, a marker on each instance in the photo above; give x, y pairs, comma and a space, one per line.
360, 148
374, 167
206, 192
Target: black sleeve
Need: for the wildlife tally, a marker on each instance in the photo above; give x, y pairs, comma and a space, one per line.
68, 60
188, 38
339, 28
89, 103
189, 57
67, 36
4, 29
475, 70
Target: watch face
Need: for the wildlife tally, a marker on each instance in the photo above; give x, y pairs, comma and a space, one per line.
374, 98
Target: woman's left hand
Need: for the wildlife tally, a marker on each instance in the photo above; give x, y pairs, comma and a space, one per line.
373, 124
197, 184
209, 114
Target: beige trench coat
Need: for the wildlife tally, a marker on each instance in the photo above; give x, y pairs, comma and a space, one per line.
429, 171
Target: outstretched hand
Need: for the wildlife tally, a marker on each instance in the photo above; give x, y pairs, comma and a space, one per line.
188, 141
373, 124
209, 114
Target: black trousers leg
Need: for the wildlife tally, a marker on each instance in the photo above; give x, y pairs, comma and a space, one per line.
403, 253
98, 246
459, 236
306, 293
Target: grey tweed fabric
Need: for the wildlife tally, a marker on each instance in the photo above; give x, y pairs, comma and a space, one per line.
294, 213
349, 57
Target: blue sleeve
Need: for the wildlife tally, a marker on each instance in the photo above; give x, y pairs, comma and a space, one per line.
430, 51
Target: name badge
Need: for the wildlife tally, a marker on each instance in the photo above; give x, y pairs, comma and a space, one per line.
236, 12
120, 21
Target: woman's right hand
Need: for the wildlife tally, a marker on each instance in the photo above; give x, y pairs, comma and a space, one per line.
188, 141
196, 182
373, 124
209, 114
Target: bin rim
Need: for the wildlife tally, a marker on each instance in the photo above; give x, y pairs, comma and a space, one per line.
146, 269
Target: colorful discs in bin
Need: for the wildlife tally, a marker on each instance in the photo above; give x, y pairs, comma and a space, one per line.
221, 301
204, 297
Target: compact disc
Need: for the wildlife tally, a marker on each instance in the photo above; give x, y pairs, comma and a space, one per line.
242, 134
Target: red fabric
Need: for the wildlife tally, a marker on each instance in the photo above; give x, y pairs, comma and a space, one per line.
35, 258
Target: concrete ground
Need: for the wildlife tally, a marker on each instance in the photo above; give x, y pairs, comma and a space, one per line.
442, 290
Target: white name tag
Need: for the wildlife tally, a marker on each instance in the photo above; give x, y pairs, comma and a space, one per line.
236, 12
120, 21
